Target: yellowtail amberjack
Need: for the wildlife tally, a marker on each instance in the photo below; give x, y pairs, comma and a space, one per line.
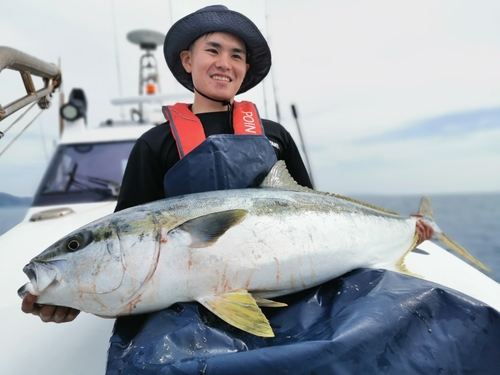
229, 250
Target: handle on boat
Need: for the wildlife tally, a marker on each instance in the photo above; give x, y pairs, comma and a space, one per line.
29, 66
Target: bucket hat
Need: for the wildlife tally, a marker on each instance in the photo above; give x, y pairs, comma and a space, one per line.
216, 18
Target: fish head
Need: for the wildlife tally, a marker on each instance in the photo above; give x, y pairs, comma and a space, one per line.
101, 264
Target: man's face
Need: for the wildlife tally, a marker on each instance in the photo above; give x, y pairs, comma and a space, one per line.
217, 63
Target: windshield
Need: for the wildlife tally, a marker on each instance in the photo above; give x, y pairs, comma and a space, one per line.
81, 173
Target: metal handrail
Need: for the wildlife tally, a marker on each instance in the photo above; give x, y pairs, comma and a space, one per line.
27, 66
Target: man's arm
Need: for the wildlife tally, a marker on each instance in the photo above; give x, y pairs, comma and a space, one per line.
143, 179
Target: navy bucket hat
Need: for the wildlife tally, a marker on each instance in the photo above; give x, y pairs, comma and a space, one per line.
216, 18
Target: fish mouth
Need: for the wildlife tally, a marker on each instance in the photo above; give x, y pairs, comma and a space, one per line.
29, 270
23, 291
41, 276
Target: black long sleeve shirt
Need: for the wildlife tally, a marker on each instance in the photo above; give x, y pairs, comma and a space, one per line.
155, 152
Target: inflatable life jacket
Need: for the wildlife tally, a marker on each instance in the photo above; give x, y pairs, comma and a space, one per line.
188, 130
221, 161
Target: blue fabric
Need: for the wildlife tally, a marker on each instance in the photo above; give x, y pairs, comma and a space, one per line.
221, 162
365, 322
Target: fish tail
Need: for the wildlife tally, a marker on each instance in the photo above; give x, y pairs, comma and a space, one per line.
428, 216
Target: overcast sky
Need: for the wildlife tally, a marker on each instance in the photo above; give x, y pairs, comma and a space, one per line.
394, 97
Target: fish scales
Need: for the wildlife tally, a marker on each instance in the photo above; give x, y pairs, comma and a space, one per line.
229, 250
286, 242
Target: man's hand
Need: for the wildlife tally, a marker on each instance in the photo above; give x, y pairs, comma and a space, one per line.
48, 313
423, 230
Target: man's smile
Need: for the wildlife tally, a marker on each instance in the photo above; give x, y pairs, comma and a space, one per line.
220, 78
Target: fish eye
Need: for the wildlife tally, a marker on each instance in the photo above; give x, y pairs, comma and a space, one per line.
78, 241
74, 243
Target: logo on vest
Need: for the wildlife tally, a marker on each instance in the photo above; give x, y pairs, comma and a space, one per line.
249, 122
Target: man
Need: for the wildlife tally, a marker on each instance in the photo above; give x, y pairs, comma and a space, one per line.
216, 53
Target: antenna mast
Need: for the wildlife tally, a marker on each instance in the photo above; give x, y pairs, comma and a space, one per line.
295, 115
149, 81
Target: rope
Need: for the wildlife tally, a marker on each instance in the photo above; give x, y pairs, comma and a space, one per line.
22, 131
15, 122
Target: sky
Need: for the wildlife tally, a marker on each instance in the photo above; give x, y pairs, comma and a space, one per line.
393, 97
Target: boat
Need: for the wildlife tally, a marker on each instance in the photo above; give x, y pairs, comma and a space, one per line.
454, 302
81, 184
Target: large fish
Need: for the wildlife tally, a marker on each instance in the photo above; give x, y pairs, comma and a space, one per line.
229, 250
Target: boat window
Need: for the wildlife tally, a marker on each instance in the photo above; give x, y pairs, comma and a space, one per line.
81, 173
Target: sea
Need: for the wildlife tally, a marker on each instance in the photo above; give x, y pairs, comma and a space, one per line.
11, 216
471, 220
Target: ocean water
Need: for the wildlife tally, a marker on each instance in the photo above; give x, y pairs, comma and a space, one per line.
472, 220
10, 216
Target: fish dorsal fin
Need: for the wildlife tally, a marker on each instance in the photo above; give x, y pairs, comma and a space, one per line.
279, 178
239, 309
207, 229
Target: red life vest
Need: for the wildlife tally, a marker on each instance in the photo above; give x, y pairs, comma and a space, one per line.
188, 130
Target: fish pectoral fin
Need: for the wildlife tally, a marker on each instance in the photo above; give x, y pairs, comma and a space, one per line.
239, 309
207, 229
262, 302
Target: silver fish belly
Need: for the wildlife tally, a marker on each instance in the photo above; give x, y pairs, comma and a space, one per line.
267, 242
229, 250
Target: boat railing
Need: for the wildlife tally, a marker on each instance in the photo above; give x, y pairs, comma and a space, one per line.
29, 66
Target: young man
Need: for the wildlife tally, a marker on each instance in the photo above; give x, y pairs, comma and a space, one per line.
216, 53
215, 143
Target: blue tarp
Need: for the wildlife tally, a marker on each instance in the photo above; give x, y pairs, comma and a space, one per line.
365, 322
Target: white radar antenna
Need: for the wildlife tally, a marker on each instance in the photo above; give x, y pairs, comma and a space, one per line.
149, 81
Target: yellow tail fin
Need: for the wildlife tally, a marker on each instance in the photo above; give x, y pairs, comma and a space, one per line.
426, 210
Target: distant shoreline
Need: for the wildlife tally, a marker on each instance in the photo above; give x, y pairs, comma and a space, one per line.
7, 200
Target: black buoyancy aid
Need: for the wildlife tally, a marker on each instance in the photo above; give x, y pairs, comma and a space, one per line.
221, 161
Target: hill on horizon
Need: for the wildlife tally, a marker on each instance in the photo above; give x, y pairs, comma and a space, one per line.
12, 200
